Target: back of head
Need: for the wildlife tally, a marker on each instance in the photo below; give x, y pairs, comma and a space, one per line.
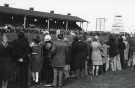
95, 38
81, 37
20, 35
111, 38
75, 38
60, 36
37, 39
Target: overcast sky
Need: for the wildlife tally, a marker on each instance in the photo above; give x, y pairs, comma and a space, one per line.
86, 9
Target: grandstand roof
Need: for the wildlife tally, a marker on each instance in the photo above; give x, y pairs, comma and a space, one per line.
10, 10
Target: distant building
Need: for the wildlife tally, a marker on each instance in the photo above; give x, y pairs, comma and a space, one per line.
100, 24
118, 26
44, 20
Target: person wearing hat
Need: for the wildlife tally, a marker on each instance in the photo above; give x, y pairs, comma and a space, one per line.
21, 53
47, 38
59, 60
79, 53
47, 70
36, 60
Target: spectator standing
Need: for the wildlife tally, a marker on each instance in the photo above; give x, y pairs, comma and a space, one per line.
105, 56
73, 60
131, 51
47, 70
59, 61
79, 53
126, 50
121, 48
36, 59
112, 52
6, 64
21, 54
89, 60
67, 67
96, 55
117, 58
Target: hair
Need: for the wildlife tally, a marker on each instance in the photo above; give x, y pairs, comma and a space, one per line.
94, 39
120, 39
37, 39
75, 38
60, 36
21, 35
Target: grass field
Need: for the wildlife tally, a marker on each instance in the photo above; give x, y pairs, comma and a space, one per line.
123, 79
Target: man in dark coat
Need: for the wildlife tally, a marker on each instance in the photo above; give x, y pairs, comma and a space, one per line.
121, 48
20, 53
79, 53
47, 70
59, 60
113, 51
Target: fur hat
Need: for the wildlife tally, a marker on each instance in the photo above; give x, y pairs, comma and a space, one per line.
47, 38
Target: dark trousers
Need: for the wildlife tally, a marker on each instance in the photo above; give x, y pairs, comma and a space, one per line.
22, 75
122, 60
47, 73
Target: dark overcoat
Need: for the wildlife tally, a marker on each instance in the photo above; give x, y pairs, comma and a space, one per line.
60, 55
6, 63
79, 53
22, 50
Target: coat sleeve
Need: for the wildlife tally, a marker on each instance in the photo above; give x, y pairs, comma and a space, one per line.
53, 50
67, 53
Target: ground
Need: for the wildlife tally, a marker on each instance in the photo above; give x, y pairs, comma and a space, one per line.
121, 79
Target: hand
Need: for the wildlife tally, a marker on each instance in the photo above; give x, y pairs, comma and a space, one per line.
20, 60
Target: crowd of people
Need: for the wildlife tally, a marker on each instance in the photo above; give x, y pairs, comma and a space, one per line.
53, 61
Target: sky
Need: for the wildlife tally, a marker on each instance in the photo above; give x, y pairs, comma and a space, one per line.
86, 9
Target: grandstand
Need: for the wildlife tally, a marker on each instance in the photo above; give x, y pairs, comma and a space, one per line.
21, 19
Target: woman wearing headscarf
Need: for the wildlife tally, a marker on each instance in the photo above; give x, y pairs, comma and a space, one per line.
5, 61
47, 70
